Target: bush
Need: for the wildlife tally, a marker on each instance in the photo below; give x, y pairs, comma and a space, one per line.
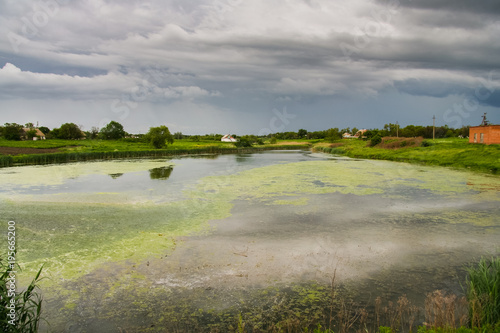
68, 131
375, 140
243, 143
12, 131
159, 136
427, 143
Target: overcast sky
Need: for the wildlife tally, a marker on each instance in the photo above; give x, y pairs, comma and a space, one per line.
249, 66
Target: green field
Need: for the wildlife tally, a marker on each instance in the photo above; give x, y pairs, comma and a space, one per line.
106, 145
86, 150
450, 152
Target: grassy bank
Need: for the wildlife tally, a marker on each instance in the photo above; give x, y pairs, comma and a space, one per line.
451, 152
88, 150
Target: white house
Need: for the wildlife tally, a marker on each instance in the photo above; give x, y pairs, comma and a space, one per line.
228, 138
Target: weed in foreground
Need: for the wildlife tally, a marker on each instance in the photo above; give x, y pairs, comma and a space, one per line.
23, 314
483, 292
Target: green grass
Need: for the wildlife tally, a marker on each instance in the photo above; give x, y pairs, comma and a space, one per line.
125, 144
26, 305
483, 292
451, 152
87, 150
107, 145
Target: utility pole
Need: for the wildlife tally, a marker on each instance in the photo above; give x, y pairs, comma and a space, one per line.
397, 129
434, 127
485, 122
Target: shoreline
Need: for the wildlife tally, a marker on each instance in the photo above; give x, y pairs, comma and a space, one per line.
454, 154
71, 157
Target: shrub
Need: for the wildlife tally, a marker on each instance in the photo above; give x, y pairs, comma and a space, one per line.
68, 131
375, 140
427, 143
159, 136
12, 131
243, 143
273, 140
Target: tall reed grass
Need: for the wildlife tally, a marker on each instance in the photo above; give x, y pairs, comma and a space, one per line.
27, 304
52, 158
6, 161
483, 293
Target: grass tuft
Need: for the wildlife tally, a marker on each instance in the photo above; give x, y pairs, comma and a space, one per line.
483, 292
27, 304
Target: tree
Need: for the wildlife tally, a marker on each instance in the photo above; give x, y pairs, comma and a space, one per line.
301, 133
44, 130
29, 125
12, 131
375, 140
243, 142
31, 134
333, 134
68, 131
178, 135
112, 131
93, 133
159, 137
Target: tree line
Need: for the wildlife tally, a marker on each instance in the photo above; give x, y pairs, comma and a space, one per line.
158, 137
409, 131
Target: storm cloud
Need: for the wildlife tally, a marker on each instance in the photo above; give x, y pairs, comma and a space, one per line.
228, 65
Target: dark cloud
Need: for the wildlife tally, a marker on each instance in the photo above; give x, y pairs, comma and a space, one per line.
240, 59
489, 7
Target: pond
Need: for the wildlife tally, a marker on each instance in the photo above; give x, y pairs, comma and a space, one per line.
204, 243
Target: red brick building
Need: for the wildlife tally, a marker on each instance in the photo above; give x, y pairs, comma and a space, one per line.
489, 134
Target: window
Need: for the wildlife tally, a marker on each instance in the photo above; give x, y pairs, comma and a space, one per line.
482, 138
475, 137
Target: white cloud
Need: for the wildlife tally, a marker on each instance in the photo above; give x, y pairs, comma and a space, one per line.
190, 92
15, 82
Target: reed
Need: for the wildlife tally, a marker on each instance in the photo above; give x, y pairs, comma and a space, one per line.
27, 304
483, 292
5, 161
52, 158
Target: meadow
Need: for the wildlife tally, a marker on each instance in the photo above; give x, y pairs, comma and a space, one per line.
61, 151
449, 152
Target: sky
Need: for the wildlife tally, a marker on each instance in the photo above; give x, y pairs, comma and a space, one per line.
249, 66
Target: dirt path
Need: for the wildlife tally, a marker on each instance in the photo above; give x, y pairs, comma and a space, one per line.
19, 150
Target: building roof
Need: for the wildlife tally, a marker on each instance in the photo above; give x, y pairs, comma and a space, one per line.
38, 132
486, 126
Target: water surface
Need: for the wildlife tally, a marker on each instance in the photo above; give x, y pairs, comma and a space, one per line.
164, 241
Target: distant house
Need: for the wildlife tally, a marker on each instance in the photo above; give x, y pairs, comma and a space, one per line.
38, 135
485, 133
360, 133
228, 138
